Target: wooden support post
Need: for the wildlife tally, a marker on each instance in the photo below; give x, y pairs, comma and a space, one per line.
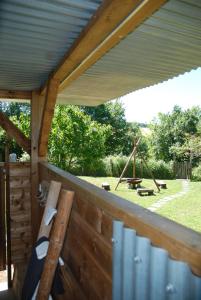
8, 233
134, 160
48, 113
56, 243
124, 170
37, 103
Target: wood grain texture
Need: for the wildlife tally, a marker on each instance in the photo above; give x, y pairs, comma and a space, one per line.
181, 243
48, 113
21, 95
52, 199
72, 289
2, 221
56, 243
13, 132
20, 212
37, 103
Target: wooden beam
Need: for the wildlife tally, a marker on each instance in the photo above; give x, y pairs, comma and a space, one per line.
21, 95
114, 20
37, 103
15, 133
48, 113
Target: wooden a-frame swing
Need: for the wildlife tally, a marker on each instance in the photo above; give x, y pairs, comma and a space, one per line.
134, 180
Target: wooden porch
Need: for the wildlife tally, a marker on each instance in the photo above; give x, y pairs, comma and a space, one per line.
87, 250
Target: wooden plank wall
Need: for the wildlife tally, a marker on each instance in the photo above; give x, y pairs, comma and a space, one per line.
2, 221
87, 250
20, 208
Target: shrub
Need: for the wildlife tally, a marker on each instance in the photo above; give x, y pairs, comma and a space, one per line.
196, 173
112, 166
160, 170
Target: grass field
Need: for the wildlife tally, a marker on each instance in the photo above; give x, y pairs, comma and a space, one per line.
185, 210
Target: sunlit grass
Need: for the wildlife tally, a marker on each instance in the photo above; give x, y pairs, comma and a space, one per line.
185, 210
173, 186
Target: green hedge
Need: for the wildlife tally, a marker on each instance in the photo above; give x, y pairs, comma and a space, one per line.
112, 166
196, 173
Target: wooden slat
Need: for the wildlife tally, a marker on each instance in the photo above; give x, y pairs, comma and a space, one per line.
52, 199
20, 216
95, 243
112, 22
21, 95
81, 278
182, 243
71, 287
56, 243
95, 217
13, 132
48, 113
19, 169
90, 275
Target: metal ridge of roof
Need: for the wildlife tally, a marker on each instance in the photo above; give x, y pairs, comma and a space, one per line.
166, 45
35, 35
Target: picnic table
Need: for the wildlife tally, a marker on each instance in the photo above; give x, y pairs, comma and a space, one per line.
133, 183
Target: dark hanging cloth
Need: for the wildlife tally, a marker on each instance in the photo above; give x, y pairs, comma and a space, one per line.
33, 275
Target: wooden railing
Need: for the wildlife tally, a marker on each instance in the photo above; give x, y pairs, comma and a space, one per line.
87, 250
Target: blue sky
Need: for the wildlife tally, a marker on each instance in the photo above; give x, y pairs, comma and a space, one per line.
184, 90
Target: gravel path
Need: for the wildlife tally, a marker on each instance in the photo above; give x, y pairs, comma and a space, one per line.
163, 201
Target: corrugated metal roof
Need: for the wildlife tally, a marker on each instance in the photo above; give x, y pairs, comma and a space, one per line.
35, 35
165, 45
144, 272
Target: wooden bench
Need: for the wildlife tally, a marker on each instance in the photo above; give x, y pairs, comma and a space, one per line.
106, 186
142, 191
161, 184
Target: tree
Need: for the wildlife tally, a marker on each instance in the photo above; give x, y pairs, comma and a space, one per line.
111, 113
19, 114
15, 108
133, 133
169, 131
75, 140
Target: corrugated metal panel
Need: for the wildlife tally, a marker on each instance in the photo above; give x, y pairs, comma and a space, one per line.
165, 45
144, 272
35, 35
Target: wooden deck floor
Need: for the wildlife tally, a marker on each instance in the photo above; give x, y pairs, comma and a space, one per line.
7, 295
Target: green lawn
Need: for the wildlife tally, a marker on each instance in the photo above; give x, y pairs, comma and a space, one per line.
185, 209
